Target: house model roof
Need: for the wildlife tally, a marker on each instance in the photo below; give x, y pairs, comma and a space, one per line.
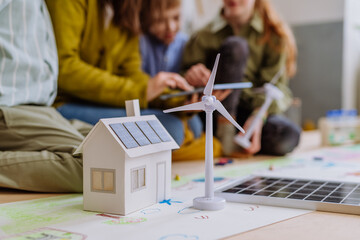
136, 135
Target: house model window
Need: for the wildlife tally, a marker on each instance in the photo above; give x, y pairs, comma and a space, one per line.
103, 180
138, 178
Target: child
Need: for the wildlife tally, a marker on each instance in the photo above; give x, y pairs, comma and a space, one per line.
162, 46
162, 43
250, 34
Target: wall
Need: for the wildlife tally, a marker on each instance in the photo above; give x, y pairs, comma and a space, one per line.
351, 56
308, 12
196, 13
318, 80
318, 29
304, 12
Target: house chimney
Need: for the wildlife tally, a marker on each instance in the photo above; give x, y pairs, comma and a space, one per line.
132, 108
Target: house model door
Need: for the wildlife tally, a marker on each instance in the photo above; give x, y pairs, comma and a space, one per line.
160, 185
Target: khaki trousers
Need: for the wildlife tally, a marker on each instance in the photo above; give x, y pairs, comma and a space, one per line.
36, 146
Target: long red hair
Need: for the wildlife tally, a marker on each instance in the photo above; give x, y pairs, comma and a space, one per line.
273, 24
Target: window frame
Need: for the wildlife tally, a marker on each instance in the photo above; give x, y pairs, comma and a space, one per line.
102, 171
138, 187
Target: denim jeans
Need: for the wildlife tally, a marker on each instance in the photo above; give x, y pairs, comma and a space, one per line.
92, 113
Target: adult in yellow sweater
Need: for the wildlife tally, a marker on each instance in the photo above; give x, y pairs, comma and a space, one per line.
100, 64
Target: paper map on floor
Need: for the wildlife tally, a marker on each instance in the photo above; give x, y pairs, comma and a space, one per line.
174, 219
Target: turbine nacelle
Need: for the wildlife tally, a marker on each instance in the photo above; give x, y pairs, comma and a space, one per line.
209, 102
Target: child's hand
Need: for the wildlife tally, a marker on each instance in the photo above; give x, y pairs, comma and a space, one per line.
162, 80
221, 94
198, 75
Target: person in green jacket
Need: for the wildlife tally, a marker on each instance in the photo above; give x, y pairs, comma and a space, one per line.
254, 45
100, 63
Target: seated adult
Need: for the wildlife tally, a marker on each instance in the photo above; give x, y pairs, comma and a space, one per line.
36, 142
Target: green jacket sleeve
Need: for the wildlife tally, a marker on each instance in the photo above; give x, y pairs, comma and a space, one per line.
198, 49
86, 81
274, 60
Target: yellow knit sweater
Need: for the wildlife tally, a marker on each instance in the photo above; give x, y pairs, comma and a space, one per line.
97, 65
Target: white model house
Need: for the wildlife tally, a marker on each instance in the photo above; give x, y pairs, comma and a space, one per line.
126, 163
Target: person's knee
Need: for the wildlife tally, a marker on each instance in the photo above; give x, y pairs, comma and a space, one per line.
279, 136
235, 50
234, 53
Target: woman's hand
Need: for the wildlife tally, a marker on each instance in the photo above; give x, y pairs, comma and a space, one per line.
198, 75
162, 80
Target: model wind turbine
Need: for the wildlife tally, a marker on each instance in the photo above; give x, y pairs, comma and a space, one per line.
209, 104
271, 93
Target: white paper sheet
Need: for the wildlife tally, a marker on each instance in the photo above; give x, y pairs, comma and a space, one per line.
175, 219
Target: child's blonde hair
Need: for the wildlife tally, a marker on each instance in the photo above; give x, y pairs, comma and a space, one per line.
155, 9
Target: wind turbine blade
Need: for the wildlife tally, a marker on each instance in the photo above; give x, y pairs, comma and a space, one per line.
277, 75
210, 84
227, 115
188, 107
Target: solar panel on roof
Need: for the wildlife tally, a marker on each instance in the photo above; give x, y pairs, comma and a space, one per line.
124, 135
148, 131
136, 133
332, 196
159, 130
